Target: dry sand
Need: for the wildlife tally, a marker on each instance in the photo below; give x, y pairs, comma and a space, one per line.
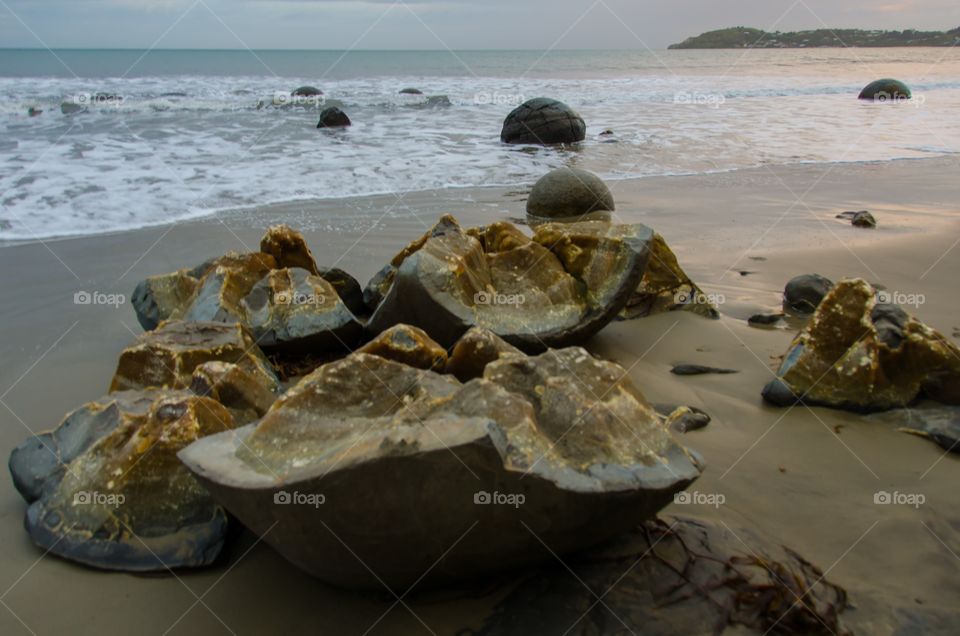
803, 477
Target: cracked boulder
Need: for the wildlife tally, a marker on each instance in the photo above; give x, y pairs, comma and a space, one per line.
485, 465
408, 345
168, 356
543, 121
475, 350
666, 287
859, 354
106, 488
555, 289
292, 308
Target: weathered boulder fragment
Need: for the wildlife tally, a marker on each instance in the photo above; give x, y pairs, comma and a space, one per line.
408, 345
860, 354
475, 350
556, 289
168, 356
106, 488
488, 463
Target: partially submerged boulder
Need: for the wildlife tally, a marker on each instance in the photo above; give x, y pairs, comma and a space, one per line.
555, 289
168, 356
292, 308
106, 488
543, 121
884, 90
666, 287
408, 345
860, 354
333, 117
568, 193
306, 91
488, 463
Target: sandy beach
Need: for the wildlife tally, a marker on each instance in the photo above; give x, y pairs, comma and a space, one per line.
803, 477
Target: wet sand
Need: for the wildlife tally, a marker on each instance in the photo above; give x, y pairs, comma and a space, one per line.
803, 477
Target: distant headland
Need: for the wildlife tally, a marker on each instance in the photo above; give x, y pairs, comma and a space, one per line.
747, 38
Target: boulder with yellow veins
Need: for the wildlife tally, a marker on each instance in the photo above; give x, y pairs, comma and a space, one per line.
228, 282
117, 497
488, 463
288, 248
860, 354
246, 395
292, 308
475, 350
168, 356
557, 288
666, 287
408, 345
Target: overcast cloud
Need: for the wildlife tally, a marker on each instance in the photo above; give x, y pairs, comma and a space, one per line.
434, 24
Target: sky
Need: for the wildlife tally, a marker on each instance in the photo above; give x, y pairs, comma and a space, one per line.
435, 24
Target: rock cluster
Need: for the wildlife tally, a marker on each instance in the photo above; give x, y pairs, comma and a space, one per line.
860, 354
435, 407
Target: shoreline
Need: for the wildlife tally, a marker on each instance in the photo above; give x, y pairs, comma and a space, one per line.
803, 477
482, 191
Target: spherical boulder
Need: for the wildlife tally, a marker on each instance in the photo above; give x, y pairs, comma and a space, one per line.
543, 121
569, 192
885, 90
333, 117
803, 293
306, 91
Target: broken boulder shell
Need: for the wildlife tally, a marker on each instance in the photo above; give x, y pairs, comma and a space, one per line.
106, 488
247, 396
860, 354
666, 287
168, 356
292, 308
555, 289
347, 467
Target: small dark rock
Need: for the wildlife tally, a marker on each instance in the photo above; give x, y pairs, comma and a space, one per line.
803, 293
333, 117
411, 91
33, 111
698, 369
764, 319
684, 419
306, 91
863, 219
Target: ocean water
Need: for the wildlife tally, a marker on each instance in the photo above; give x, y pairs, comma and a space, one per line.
168, 135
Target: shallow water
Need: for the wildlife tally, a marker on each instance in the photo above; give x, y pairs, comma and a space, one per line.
180, 135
